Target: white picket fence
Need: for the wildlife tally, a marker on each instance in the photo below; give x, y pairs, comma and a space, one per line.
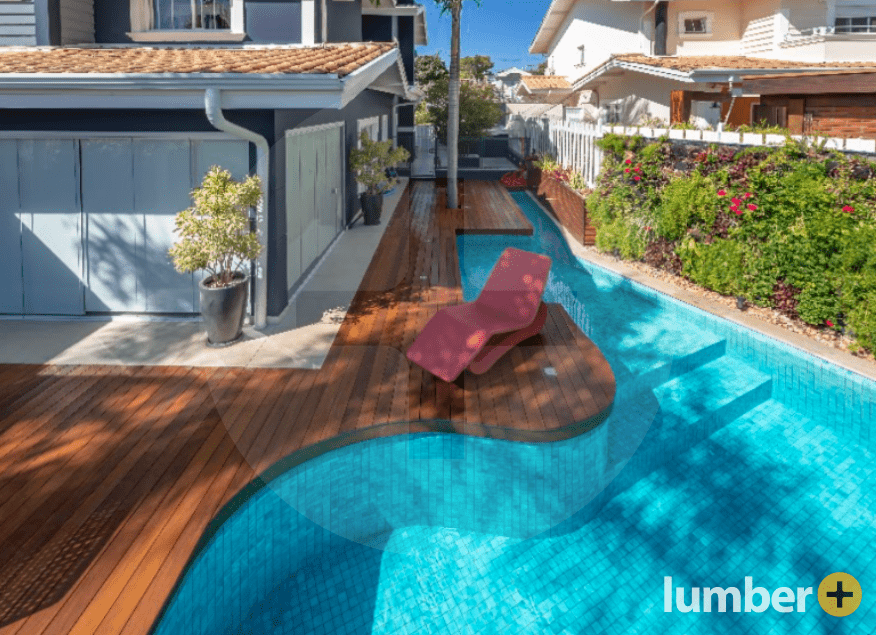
573, 143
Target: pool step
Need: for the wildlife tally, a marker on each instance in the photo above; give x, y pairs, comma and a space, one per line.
686, 410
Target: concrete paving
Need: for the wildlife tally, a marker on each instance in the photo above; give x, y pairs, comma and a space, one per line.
299, 338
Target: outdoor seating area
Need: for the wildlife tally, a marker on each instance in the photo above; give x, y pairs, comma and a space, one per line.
110, 484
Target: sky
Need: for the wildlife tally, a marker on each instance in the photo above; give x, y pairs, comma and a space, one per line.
502, 29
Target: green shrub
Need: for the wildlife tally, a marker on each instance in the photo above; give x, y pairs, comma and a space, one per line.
862, 320
717, 266
627, 238
791, 227
684, 200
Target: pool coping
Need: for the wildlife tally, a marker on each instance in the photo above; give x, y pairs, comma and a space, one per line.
806, 344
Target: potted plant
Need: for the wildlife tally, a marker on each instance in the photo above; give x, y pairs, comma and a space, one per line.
370, 163
215, 235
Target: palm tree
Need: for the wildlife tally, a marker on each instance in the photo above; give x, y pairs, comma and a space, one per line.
455, 8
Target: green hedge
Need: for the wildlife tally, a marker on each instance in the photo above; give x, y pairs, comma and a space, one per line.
793, 227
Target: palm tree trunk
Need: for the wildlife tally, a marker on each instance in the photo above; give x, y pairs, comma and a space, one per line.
453, 107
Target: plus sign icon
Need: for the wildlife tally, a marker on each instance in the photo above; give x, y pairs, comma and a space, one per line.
839, 594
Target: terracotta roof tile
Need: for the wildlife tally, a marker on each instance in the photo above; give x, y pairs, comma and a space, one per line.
341, 59
545, 82
730, 62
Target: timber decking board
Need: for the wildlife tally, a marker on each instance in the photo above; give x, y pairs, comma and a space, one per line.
110, 475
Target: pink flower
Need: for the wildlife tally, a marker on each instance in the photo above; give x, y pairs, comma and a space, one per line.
849, 209
752, 207
637, 169
748, 195
637, 178
722, 192
829, 323
737, 210
629, 161
627, 170
735, 201
648, 228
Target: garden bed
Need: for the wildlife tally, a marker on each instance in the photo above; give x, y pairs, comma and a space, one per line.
789, 230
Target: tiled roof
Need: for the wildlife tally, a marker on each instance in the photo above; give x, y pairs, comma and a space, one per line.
545, 82
730, 62
341, 59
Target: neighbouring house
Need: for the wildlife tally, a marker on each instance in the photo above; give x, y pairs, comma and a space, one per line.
507, 82
113, 110
685, 60
543, 89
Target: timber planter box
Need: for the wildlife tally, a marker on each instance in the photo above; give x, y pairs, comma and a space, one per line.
569, 207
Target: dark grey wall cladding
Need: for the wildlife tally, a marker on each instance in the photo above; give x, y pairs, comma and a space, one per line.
112, 21
367, 104
406, 44
118, 120
376, 28
273, 21
344, 20
267, 21
405, 116
18, 23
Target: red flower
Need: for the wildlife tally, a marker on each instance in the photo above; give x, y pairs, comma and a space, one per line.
752, 207
736, 201
722, 192
648, 228
737, 210
829, 323
637, 169
637, 178
627, 170
629, 161
748, 195
849, 209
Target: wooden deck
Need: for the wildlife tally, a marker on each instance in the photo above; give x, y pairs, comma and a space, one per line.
111, 474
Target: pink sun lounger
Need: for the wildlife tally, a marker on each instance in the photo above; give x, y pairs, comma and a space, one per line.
476, 334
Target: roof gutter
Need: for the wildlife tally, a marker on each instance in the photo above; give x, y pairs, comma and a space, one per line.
213, 109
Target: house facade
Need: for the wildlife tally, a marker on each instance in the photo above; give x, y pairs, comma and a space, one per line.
674, 61
111, 112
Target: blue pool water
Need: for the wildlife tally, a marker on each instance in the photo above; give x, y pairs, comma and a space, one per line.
727, 455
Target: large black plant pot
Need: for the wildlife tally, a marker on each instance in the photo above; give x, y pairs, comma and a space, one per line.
372, 207
223, 310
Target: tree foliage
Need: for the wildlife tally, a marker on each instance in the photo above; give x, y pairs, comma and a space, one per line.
475, 67
539, 69
429, 69
215, 233
479, 109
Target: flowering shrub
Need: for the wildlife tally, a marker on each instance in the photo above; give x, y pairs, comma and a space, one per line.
513, 180
553, 170
793, 228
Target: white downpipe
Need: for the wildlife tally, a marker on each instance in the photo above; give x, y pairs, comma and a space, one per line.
213, 109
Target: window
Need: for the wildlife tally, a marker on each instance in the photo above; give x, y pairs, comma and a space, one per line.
581, 56
693, 24
856, 25
614, 112
193, 14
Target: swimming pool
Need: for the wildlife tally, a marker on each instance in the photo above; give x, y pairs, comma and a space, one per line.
727, 455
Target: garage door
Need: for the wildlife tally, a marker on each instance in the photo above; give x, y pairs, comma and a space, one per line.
314, 194
86, 223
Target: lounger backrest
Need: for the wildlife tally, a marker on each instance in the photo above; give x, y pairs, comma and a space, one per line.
516, 285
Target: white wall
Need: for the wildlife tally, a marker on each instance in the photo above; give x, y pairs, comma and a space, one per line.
604, 27
643, 96
725, 36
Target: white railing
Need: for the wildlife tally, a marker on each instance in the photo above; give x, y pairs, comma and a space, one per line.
573, 143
